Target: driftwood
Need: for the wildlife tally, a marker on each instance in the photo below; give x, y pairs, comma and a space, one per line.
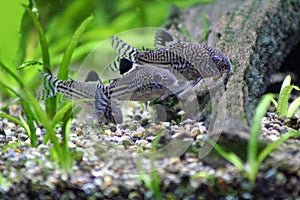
256, 35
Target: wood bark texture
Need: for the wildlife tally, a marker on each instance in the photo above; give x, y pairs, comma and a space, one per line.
255, 34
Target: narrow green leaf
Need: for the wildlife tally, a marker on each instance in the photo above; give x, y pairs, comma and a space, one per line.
12, 119
275, 144
14, 75
68, 161
51, 102
234, 159
68, 106
11, 146
255, 130
205, 175
61, 113
286, 82
44, 120
29, 115
4, 183
25, 125
156, 140
293, 107
284, 99
42, 37
274, 102
12, 90
64, 67
29, 64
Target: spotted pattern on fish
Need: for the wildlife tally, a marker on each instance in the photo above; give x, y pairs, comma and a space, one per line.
143, 83
159, 57
208, 61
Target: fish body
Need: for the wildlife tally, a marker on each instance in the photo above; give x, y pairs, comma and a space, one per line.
194, 61
158, 57
143, 83
207, 60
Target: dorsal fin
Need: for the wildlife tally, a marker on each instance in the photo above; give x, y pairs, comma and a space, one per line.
125, 65
164, 39
92, 77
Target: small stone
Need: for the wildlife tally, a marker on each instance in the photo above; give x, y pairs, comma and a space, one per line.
275, 133
64, 177
98, 181
107, 132
71, 145
38, 132
113, 129
140, 129
195, 131
282, 129
142, 143
88, 188
181, 113
276, 126
165, 125
137, 117
113, 190
170, 196
199, 137
158, 127
137, 134
96, 173
107, 181
247, 195
280, 178
11, 125
134, 195
270, 173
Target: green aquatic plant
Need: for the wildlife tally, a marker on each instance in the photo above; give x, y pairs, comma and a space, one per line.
254, 157
282, 107
33, 112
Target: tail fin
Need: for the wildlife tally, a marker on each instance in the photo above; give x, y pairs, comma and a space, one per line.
70, 89
50, 86
123, 49
114, 66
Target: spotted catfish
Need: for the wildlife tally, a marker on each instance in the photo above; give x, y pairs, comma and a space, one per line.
194, 61
158, 57
207, 60
143, 83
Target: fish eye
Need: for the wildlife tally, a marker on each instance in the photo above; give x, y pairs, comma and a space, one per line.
216, 59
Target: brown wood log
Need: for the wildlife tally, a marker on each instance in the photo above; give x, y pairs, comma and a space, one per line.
255, 34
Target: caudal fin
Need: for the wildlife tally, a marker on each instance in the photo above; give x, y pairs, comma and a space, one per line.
70, 89
50, 86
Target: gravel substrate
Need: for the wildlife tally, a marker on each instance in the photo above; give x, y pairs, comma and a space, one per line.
113, 162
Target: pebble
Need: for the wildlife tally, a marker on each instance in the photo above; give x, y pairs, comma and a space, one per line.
108, 168
138, 134
107, 181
